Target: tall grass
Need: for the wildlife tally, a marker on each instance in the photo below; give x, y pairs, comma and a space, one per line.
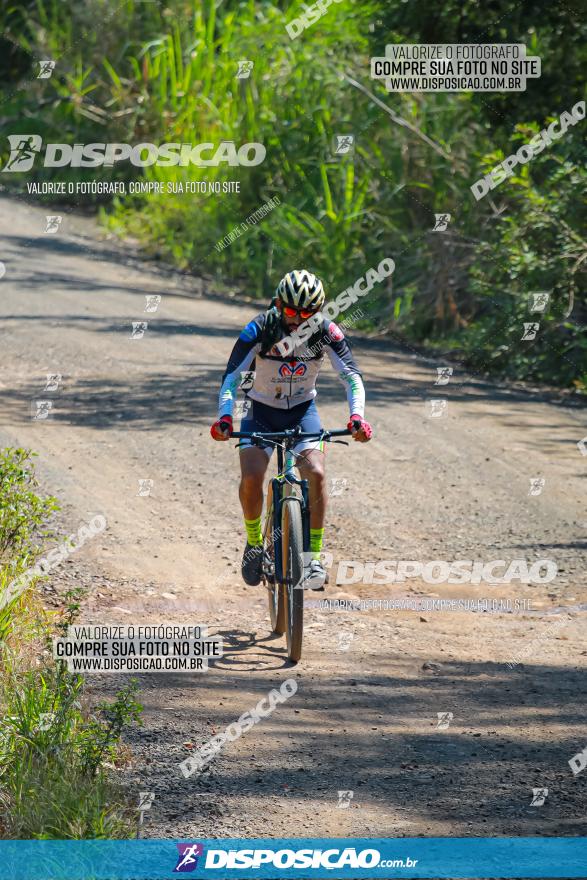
23, 524
188, 80
55, 749
166, 72
52, 752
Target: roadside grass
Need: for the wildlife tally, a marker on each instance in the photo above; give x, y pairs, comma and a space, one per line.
57, 751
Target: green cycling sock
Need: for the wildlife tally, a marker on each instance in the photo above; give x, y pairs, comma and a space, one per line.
253, 527
316, 538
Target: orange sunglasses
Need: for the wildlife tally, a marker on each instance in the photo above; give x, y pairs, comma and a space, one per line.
291, 312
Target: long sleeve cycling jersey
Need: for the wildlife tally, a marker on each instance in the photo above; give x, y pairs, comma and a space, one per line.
286, 381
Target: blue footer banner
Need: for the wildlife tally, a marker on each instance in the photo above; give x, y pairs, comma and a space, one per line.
501, 857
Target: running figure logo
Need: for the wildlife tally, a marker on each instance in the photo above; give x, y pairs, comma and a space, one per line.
441, 222
443, 375
146, 799
145, 487
152, 302
539, 795
530, 330
539, 301
244, 68
537, 484
138, 329
437, 408
344, 640
345, 798
338, 485
46, 719
241, 408
23, 149
247, 380
344, 144
444, 719
187, 860
53, 382
53, 223
46, 69
41, 409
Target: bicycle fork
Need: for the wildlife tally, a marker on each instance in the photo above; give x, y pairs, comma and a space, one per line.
278, 538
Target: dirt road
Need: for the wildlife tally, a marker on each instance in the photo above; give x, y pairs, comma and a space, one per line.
371, 683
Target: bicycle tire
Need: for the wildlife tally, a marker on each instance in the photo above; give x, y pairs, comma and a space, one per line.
293, 568
275, 591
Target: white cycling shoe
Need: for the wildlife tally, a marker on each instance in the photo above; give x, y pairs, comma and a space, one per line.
315, 576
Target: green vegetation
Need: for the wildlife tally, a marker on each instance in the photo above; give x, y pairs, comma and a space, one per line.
23, 517
56, 750
165, 71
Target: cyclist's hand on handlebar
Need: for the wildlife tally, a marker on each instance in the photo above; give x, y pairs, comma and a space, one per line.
360, 429
222, 429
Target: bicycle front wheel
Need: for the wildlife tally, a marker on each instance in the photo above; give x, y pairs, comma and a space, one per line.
275, 591
293, 569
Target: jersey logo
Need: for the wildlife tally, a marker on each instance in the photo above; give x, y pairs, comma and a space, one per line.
335, 332
296, 368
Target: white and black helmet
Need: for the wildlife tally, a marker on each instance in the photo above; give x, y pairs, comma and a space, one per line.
301, 289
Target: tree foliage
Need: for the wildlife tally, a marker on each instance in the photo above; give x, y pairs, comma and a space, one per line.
166, 72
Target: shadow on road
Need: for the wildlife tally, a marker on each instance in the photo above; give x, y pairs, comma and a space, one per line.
477, 775
146, 400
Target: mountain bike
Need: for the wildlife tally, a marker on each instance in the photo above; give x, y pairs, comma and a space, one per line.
286, 533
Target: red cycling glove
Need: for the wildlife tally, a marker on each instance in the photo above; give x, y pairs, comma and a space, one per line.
222, 429
362, 433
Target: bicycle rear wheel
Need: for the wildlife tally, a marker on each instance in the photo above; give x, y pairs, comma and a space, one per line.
293, 569
275, 591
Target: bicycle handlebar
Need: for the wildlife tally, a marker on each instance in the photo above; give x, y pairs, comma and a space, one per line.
292, 434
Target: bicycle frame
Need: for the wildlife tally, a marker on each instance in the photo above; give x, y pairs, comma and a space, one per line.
291, 551
286, 476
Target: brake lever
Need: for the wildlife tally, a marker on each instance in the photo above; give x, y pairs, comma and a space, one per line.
344, 442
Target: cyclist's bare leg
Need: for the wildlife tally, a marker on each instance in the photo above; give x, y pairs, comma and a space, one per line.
311, 464
253, 467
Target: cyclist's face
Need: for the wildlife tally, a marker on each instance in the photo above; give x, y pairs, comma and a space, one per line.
293, 317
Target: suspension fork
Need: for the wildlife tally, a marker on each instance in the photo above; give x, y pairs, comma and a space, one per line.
306, 515
305, 500
277, 487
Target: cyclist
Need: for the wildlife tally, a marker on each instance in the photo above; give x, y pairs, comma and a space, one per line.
282, 388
